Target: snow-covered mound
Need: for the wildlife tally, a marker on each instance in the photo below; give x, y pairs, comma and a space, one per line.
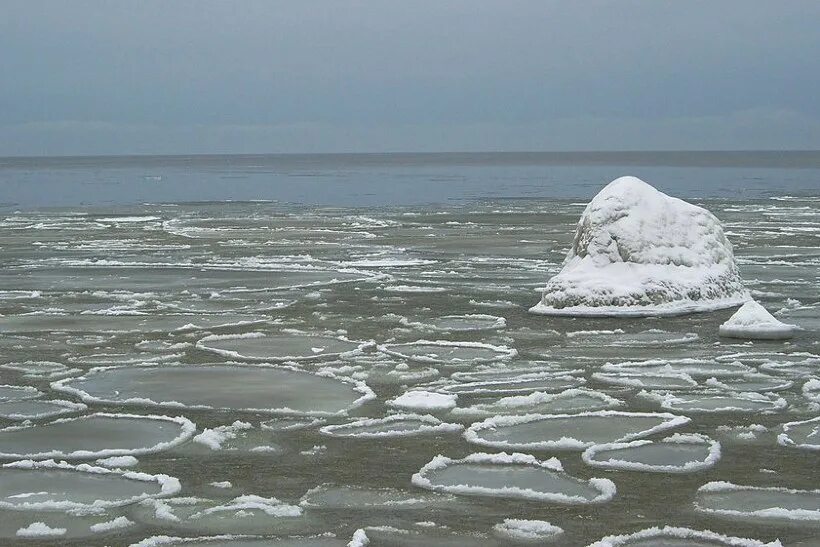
640, 252
753, 321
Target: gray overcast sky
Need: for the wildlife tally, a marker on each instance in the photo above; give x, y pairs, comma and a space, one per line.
164, 76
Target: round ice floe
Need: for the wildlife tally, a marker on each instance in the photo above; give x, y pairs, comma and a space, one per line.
805, 434
792, 369
509, 371
527, 531
38, 409
290, 423
94, 436
753, 321
279, 347
646, 381
639, 252
511, 476
811, 390
673, 536
751, 382
459, 323
691, 367
760, 357
568, 431
50, 486
18, 393
414, 289
424, 400
524, 384
270, 389
539, 402
716, 401
124, 323
329, 496
755, 502
675, 454
247, 514
423, 534
40, 369
397, 425
619, 338
448, 353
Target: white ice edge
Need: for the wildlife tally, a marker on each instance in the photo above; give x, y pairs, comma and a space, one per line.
783, 438
772, 512
471, 434
202, 344
588, 456
605, 487
503, 352
367, 393
681, 533
428, 424
168, 486
187, 430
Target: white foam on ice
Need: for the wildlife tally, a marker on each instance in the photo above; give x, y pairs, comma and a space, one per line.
215, 437
118, 461
521, 530
424, 400
334, 497
448, 352
646, 380
37, 409
459, 323
263, 347
540, 402
40, 529
538, 480
95, 436
568, 431
639, 252
753, 321
803, 434
675, 454
692, 367
656, 534
758, 502
716, 401
117, 523
254, 388
396, 425
58, 486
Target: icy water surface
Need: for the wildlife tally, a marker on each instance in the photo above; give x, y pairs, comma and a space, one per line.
261, 328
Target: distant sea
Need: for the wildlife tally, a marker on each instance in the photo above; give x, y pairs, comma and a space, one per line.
397, 179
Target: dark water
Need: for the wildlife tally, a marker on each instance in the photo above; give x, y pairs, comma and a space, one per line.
397, 179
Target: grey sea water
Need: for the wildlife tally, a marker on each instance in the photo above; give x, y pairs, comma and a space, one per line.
154, 287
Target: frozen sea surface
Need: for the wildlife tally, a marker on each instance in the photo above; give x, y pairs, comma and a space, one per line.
282, 331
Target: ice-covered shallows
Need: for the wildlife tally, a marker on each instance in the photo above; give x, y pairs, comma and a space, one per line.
640, 252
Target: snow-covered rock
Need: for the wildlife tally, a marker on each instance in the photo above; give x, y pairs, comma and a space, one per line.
639, 252
753, 321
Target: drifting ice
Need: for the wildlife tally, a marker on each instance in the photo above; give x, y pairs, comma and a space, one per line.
754, 322
639, 252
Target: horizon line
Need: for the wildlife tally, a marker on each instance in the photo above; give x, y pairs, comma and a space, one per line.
406, 153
